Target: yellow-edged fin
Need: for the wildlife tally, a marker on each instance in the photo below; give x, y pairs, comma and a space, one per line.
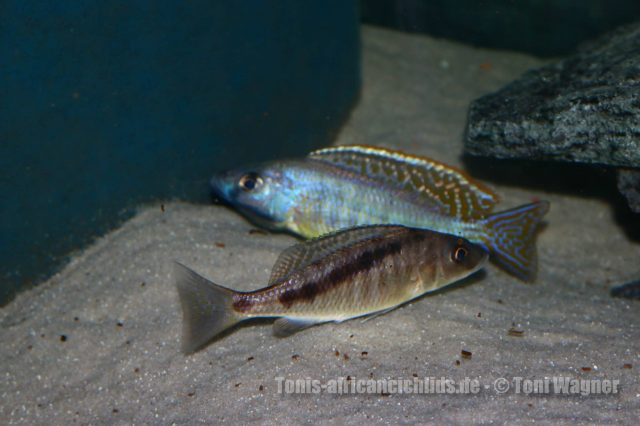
456, 193
305, 253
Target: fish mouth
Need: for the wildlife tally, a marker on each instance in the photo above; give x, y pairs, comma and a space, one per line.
215, 200
482, 263
217, 192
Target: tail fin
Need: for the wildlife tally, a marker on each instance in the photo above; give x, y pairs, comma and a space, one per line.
206, 308
511, 238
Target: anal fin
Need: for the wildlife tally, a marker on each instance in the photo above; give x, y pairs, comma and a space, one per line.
377, 314
283, 327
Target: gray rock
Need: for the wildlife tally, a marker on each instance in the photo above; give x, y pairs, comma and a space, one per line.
585, 108
629, 186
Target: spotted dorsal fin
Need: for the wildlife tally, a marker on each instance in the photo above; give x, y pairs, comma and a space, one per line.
305, 253
453, 191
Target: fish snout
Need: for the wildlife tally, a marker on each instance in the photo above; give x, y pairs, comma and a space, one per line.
220, 186
478, 254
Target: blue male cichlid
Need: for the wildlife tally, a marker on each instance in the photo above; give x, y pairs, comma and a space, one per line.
347, 186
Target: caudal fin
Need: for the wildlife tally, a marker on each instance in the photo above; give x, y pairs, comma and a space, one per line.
206, 308
510, 236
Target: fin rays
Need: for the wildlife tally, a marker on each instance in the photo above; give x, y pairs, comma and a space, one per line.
511, 238
305, 253
455, 193
206, 308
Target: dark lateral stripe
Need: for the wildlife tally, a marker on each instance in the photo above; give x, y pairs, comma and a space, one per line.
242, 302
363, 261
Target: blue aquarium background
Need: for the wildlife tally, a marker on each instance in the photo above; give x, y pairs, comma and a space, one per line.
106, 105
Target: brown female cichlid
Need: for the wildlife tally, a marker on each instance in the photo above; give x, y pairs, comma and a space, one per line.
346, 186
343, 275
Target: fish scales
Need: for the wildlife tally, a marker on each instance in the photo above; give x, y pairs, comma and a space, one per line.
330, 193
343, 275
372, 275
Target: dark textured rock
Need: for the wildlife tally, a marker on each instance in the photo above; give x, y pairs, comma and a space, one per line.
629, 186
585, 108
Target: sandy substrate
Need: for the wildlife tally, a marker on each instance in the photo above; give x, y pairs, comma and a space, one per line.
99, 342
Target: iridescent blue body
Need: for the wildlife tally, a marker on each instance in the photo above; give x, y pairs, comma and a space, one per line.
313, 198
345, 187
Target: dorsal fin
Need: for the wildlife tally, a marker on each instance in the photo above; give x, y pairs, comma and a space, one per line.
456, 193
305, 253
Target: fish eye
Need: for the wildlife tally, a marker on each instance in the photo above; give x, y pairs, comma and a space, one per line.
250, 181
459, 254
